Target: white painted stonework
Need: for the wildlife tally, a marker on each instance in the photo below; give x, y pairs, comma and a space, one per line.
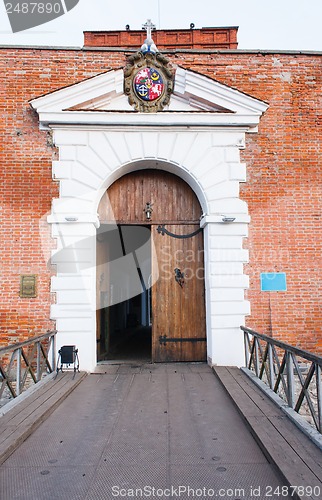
198, 138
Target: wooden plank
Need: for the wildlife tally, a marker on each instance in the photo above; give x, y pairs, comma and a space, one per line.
243, 402
33, 404
38, 406
309, 453
257, 396
14, 435
286, 459
23, 409
10, 425
10, 431
307, 450
294, 455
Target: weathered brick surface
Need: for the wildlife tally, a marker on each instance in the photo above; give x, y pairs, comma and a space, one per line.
283, 189
211, 38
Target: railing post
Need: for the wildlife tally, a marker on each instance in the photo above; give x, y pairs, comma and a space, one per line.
290, 379
256, 356
38, 371
246, 343
53, 352
271, 367
319, 394
18, 372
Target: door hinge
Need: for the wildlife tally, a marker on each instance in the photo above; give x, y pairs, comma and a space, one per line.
163, 339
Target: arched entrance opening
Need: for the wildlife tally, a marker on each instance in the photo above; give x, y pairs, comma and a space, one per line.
150, 270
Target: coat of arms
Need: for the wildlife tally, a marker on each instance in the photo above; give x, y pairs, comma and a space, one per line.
148, 81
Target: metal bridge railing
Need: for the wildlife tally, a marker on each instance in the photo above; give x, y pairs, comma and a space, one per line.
293, 374
24, 363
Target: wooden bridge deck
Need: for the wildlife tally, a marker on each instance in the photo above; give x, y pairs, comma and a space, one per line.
17, 424
159, 425
296, 457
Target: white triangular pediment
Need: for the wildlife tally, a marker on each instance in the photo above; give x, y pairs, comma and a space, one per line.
96, 99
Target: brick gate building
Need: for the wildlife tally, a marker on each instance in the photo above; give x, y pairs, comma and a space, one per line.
242, 129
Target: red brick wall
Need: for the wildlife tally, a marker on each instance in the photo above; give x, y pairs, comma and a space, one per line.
205, 38
26, 187
283, 190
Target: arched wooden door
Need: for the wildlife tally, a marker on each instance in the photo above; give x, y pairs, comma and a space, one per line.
177, 263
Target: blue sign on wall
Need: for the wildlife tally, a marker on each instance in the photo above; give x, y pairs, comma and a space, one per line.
273, 282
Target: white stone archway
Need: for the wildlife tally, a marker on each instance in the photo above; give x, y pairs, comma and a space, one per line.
96, 148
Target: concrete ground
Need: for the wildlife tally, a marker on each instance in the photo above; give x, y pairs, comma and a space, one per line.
141, 431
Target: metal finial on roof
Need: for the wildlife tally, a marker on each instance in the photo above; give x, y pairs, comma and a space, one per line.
149, 45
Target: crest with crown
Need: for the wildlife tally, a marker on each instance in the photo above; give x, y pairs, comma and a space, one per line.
148, 80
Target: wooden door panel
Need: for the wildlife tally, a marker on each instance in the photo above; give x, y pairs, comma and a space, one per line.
178, 312
173, 200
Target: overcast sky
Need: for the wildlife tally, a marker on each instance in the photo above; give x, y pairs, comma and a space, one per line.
273, 24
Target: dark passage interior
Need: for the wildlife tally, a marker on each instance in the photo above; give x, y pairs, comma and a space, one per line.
130, 342
124, 330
